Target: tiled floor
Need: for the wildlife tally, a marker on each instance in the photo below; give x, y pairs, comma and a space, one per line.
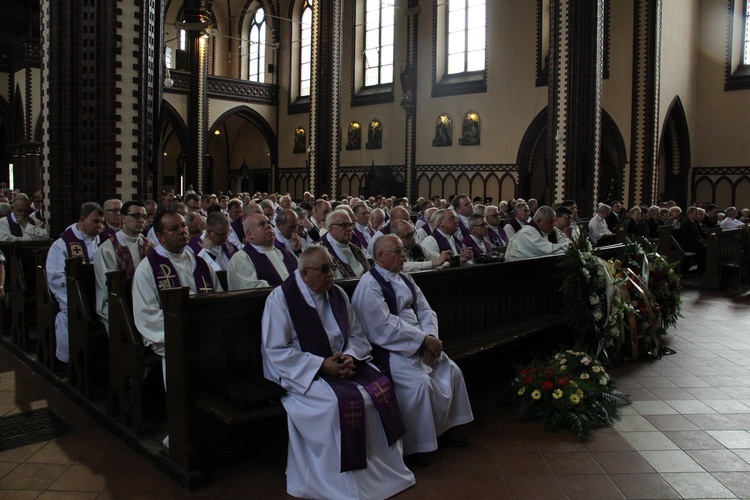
687, 434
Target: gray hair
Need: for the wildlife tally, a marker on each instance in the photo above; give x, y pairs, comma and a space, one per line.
544, 212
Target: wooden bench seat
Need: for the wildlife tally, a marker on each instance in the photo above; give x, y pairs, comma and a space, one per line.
722, 264
23, 292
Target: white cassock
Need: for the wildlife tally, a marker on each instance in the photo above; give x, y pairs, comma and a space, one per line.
241, 272
729, 223
214, 256
510, 231
371, 245
314, 452
147, 311
420, 235
530, 242
432, 399
57, 283
597, 228
105, 261
287, 242
152, 237
30, 232
430, 244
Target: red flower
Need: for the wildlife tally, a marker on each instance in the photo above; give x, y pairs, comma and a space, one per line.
524, 371
562, 382
528, 379
547, 385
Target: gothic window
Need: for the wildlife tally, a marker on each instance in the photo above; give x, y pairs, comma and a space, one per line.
379, 36
257, 47
460, 43
746, 39
737, 75
305, 49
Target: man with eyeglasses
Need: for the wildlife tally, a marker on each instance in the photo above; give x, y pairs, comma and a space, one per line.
343, 417
112, 219
495, 234
396, 213
417, 258
562, 229
398, 320
260, 263
123, 251
80, 239
17, 225
477, 234
533, 239
362, 229
216, 249
350, 260
443, 237
515, 224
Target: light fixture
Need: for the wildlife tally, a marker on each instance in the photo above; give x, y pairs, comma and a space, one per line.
168, 82
194, 20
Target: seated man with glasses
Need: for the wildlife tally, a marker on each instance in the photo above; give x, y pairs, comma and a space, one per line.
533, 239
349, 259
123, 251
17, 225
216, 249
343, 417
417, 258
112, 219
403, 330
562, 230
477, 234
495, 234
515, 224
443, 237
260, 263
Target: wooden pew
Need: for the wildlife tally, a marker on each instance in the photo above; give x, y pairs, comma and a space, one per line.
128, 358
88, 341
671, 249
722, 252
23, 290
47, 309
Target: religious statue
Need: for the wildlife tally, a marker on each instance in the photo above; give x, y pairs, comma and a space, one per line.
374, 135
354, 136
470, 130
299, 140
443, 131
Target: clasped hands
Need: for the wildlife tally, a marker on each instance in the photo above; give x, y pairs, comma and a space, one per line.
339, 365
432, 348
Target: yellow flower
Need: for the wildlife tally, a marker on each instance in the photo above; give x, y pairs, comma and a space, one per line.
596, 369
584, 376
537, 394
580, 393
521, 391
563, 368
575, 399
557, 394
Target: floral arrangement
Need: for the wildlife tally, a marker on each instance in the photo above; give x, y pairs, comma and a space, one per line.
594, 307
571, 390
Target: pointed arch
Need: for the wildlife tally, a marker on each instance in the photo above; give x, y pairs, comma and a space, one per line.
674, 155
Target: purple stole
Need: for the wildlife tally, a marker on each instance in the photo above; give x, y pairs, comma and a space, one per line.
515, 224
462, 227
238, 228
427, 229
125, 259
360, 236
313, 338
344, 267
263, 267
228, 249
15, 227
75, 246
417, 253
106, 234
195, 245
359, 243
552, 236
443, 244
386, 229
498, 238
166, 275
421, 217
469, 241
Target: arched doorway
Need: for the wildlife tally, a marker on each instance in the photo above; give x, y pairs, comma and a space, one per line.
674, 156
243, 150
173, 141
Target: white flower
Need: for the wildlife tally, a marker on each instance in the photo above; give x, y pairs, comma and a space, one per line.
585, 376
585, 361
596, 369
597, 315
586, 273
603, 381
586, 255
563, 361
594, 299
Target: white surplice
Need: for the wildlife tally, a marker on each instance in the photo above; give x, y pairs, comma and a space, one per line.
241, 273
29, 232
432, 399
530, 242
314, 456
57, 283
105, 261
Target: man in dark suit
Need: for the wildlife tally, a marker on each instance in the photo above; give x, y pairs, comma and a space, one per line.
692, 236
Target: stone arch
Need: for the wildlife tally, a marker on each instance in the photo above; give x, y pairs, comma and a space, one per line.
674, 156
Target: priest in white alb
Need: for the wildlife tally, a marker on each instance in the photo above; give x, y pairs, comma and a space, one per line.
343, 417
533, 240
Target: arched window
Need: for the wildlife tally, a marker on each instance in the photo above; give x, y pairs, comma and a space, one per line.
746, 41
466, 36
738, 51
305, 49
257, 47
378, 47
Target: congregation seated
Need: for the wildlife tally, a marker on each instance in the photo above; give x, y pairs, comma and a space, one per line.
443, 237
495, 234
344, 423
520, 219
216, 249
635, 228
426, 229
533, 240
597, 227
260, 263
80, 239
463, 208
169, 266
653, 222
123, 251
350, 261
562, 226
731, 221
417, 258
692, 236
396, 213
614, 218
18, 225
363, 232
320, 211
286, 233
112, 219
396, 318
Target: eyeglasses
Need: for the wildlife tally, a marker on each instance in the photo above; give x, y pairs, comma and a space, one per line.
344, 225
113, 211
136, 216
395, 251
324, 269
480, 225
219, 234
408, 236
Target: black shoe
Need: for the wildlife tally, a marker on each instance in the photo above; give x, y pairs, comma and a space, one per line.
420, 459
454, 438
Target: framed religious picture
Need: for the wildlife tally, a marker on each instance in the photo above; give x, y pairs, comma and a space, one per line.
443, 131
470, 130
299, 140
354, 136
374, 135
